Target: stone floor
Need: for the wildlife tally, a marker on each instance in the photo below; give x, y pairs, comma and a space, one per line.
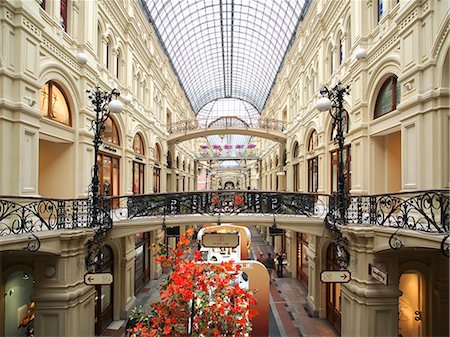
288, 317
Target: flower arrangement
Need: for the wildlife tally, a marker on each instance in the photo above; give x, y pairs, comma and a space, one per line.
198, 299
215, 200
238, 200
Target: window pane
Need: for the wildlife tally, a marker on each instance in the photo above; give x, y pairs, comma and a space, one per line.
115, 187
43, 99
59, 109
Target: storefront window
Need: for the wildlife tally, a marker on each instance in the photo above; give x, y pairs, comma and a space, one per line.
53, 103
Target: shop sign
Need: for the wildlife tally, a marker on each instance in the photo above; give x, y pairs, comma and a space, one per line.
378, 274
335, 276
98, 278
220, 240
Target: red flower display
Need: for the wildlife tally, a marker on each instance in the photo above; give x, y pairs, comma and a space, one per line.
215, 200
238, 200
198, 299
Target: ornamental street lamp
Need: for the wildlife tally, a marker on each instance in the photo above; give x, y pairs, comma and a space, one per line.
104, 103
332, 100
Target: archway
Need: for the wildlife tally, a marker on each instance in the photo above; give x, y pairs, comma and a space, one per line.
19, 287
333, 291
104, 297
411, 304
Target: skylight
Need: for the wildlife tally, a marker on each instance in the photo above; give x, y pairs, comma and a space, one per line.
226, 48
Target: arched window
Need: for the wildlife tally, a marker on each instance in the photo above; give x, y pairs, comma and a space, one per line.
158, 153
313, 141
108, 53
388, 97
296, 150
313, 164
117, 64
345, 125
63, 14
296, 168
53, 103
169, 159
138, 165
380, 10
138, 144
341, 51
99, 42
111, 132
157, 169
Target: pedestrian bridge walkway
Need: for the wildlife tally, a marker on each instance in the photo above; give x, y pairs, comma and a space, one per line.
189, 129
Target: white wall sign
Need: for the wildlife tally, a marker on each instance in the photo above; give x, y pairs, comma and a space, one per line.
378, 274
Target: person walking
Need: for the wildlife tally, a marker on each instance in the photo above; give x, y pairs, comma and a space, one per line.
280, 259
270, 265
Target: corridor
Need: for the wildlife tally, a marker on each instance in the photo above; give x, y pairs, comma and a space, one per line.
288, 316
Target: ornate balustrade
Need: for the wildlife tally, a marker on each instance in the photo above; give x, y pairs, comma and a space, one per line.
224, 123
27, 215
426, 211
221, 202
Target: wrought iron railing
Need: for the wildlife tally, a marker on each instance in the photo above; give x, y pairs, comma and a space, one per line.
426, 211
225, 122
26, 215
226, 202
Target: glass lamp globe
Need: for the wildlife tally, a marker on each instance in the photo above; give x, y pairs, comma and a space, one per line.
323, 104
115, 106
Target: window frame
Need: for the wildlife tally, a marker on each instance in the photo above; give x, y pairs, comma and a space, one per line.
49, 112
393, 81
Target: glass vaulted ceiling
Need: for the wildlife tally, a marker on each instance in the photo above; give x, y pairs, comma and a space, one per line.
226, 48
226, 54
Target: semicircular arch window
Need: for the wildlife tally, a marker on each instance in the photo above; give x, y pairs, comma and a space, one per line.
157, 153
53, 103
313, 141
138, 144
388, 97
111, 132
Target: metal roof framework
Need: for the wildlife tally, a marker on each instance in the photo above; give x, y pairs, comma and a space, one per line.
226, 48
226, 53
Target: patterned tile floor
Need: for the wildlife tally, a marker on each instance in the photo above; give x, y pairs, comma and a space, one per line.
288, 317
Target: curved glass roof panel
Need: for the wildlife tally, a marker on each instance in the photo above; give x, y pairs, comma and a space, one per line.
230, 107
226, 48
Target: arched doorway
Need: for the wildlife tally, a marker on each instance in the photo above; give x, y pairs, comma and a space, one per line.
333, 291
19, 287
104, 298
411, 304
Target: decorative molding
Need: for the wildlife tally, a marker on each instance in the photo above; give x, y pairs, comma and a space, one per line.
411, 17
384, 47
60, 54
31, 28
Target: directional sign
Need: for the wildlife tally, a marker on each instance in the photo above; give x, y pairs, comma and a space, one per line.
98, 278
335, 276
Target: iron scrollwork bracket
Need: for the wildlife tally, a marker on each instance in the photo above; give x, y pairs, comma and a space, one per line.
395, 242
33, 244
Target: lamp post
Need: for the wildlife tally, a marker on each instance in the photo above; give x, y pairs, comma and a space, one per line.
332, 100
104, 103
